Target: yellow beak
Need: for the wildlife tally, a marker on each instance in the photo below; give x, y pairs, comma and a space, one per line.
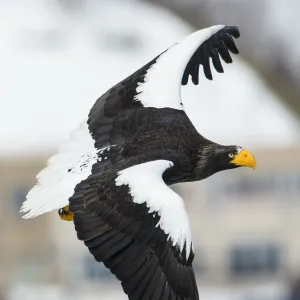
244, 159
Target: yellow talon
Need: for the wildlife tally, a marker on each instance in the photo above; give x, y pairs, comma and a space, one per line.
65, 214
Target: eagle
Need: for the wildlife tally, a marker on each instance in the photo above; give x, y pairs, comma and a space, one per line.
113, 177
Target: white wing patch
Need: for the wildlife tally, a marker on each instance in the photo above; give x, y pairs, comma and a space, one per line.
64, 171
147, 186
162, 84
239, 149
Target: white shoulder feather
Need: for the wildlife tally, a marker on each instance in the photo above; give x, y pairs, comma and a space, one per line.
147, 186
162, 83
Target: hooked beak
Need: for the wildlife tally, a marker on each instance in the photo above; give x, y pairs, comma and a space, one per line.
244, 159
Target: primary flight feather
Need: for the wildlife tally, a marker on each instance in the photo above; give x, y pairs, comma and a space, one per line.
112, 178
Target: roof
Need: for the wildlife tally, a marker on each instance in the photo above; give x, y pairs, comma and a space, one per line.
55, 65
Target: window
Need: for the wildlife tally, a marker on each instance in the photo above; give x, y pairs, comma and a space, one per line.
254, 260
275, 185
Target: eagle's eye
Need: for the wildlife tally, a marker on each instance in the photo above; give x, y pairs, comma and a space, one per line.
231, 155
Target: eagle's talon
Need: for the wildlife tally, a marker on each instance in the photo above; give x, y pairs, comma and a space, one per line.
65, 214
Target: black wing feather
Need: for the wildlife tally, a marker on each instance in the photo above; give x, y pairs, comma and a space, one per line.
115, 115
229, 42
216, 61
222, 41
114, 228
206, 63
118, 232
224, 52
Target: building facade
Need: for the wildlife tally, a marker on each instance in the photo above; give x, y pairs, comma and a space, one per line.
244, 226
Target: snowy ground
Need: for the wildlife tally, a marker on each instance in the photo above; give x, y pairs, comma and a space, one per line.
55, 64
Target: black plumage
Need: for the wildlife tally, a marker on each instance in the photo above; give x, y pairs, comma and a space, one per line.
123, 234
113, 178
220, 43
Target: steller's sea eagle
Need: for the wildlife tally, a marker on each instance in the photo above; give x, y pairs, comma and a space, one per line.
112, 178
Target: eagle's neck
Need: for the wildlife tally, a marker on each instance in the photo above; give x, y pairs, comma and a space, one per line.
194, 165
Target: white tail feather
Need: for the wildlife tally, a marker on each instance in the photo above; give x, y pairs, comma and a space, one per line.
64, 171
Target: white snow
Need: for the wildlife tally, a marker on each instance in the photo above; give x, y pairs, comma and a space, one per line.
147, 186
162, 86
48, 88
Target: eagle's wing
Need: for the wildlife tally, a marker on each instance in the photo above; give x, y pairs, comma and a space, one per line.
138, 227
64, 171
127, 109
157, 84
162, 78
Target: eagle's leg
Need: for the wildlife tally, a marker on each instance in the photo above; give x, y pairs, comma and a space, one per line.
65, 214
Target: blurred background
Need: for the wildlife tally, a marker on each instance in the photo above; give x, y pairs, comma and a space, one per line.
58, 56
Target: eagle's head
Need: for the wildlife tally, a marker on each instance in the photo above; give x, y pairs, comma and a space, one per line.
214, 158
